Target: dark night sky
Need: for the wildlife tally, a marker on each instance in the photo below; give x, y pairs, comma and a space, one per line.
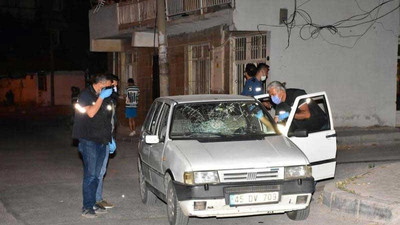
25, 43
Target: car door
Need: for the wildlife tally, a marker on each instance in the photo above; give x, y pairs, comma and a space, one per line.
320, 144
156, 150
149, 128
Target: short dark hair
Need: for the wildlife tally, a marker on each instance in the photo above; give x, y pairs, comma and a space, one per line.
251, 69
130, 80
261, 66
100, 78
112, 77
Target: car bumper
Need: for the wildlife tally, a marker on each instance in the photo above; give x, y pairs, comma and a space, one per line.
215, 197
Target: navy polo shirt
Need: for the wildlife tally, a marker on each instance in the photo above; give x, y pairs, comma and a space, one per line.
253, 87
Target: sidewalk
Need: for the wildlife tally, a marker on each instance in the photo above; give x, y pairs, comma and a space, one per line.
375, 193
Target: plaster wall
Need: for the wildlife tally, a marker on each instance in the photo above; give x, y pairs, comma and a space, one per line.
358, 74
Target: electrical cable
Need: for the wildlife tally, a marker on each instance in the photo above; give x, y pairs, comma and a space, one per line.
312, 30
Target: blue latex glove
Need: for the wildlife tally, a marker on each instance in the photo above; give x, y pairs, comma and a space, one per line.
251, 107
283, 116
112, 145
105, 93
260, 114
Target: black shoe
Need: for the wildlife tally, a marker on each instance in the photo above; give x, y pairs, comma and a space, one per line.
99, 210
89, 213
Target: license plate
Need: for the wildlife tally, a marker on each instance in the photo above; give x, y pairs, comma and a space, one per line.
253, 198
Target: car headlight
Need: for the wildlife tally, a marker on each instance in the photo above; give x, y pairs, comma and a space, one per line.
294, 172
204, 177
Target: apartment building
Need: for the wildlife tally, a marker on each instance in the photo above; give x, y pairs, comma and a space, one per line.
346, 48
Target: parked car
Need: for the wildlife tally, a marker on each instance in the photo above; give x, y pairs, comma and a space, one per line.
224, 156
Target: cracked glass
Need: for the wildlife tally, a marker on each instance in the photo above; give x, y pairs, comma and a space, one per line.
221, 120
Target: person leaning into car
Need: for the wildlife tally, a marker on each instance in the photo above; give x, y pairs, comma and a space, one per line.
308, 114
92, 127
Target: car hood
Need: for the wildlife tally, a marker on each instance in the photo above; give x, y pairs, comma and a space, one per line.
269, 152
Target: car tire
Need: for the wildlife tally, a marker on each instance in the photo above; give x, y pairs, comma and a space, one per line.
299, 214
146, 195
174, 211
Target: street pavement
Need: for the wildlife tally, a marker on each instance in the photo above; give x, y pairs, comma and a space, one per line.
41, 177
373, 193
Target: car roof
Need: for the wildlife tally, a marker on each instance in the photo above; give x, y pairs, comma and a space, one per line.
206, 98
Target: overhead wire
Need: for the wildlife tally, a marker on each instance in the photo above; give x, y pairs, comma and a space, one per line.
309, 29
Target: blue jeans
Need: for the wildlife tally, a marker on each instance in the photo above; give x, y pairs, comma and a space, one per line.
99, 192
93, 158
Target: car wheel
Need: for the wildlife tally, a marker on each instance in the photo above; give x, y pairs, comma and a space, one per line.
175, 213
299, 214
146, 195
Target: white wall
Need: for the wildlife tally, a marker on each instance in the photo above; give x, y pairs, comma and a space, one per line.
360, 80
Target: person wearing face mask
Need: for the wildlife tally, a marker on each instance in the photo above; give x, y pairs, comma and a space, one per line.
262, 72
308, 114
253, 84
111, 102
92, 127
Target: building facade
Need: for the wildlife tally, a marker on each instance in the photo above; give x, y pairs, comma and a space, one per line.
346, 48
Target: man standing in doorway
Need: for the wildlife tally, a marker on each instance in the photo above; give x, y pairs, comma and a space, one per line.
131, 103
92, 127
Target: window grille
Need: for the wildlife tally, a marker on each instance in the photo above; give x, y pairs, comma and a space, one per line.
248, 49
199, 69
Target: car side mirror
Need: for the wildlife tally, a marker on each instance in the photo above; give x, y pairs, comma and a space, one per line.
152, 139
298, 133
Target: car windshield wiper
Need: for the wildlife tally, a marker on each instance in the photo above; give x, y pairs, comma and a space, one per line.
198, 135
207, 134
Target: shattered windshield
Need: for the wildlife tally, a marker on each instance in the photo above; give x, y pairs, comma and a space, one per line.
219, 120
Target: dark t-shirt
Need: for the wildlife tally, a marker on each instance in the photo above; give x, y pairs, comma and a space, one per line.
98, 128
318, 119
291, 95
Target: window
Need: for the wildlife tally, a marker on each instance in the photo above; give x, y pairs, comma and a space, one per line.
163, 122
248, 49
199, 69
319, 120
128, 65
231, 120
42, 82
152, 117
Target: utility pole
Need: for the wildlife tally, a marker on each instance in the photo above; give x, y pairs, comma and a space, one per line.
162, 49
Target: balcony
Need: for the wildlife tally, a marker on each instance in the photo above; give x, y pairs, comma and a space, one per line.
119, 21
133, 13
187, 7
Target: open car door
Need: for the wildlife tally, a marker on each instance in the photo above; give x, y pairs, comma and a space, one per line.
316, 136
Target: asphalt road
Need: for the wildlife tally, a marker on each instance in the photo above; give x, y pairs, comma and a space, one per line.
41, 178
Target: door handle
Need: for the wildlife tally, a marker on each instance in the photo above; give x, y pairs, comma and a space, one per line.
331, 135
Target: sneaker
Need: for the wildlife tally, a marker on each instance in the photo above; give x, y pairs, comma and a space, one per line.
105, 204
89, 213
99, 210
132, 133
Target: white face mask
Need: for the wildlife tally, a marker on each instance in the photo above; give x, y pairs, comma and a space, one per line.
115, 89
263, 78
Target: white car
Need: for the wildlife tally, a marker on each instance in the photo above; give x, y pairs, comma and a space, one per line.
223, 156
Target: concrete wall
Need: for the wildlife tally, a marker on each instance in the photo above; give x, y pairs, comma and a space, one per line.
63, 81
26, 91
360, 80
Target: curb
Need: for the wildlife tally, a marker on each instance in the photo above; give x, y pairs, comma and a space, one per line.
359, 206
359, 136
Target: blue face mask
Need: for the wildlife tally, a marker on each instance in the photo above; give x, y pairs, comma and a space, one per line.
275, 99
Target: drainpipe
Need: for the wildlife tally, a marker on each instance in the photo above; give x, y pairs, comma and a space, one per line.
162, 49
